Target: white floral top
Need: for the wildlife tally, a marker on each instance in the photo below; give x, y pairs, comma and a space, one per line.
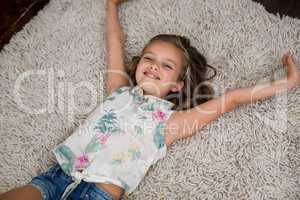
119, 141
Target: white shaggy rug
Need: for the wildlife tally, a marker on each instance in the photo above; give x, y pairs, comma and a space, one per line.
52, 75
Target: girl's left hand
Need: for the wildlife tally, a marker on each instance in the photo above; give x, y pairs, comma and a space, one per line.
293, 76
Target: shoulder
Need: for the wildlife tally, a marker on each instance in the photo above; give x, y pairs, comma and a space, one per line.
121, 89
118, 91
182, 124
169, 128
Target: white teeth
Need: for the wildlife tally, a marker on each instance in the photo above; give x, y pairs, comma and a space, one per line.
151, 75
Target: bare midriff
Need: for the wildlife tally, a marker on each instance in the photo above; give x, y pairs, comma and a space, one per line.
113, 190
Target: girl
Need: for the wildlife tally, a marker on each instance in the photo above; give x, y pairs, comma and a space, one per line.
111, 152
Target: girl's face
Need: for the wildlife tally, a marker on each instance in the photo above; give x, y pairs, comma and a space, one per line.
159, 69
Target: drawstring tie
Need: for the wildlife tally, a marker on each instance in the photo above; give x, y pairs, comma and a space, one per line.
77, 177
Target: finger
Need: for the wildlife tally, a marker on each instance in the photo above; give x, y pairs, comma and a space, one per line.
290, 57
284, 59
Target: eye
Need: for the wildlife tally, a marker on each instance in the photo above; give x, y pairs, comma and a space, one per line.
147, 58
168, 66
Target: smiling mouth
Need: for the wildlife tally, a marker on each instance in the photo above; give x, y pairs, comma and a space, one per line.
152, 76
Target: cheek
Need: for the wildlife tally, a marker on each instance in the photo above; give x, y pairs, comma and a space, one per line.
178, 76
171, 76
138, 71
141, 68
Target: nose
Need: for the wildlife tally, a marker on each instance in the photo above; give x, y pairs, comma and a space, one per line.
154, 67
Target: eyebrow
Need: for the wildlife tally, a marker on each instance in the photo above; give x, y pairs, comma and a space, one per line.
166, 59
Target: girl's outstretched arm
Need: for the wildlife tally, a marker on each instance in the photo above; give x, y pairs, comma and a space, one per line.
260, 92
116, 75
183, 124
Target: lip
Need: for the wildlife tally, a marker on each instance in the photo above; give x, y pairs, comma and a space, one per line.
151, 75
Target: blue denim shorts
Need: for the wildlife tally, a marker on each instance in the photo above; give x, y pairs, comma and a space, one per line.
53, 183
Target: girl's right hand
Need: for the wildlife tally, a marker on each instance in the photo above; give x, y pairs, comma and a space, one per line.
293, 76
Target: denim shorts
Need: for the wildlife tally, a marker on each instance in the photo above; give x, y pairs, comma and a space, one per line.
53, 183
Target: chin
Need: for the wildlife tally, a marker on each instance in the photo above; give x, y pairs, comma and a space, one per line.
150, 88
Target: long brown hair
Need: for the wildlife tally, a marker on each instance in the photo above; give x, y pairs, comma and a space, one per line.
196, 89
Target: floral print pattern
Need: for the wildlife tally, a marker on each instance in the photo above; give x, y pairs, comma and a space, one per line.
133, 153
102, 138
108, 123
117, 152
81, 162
159, 139
67, 156
159, 115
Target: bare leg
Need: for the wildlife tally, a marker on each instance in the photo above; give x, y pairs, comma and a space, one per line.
26, 192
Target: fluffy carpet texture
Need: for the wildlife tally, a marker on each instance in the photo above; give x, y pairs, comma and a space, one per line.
52, 77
